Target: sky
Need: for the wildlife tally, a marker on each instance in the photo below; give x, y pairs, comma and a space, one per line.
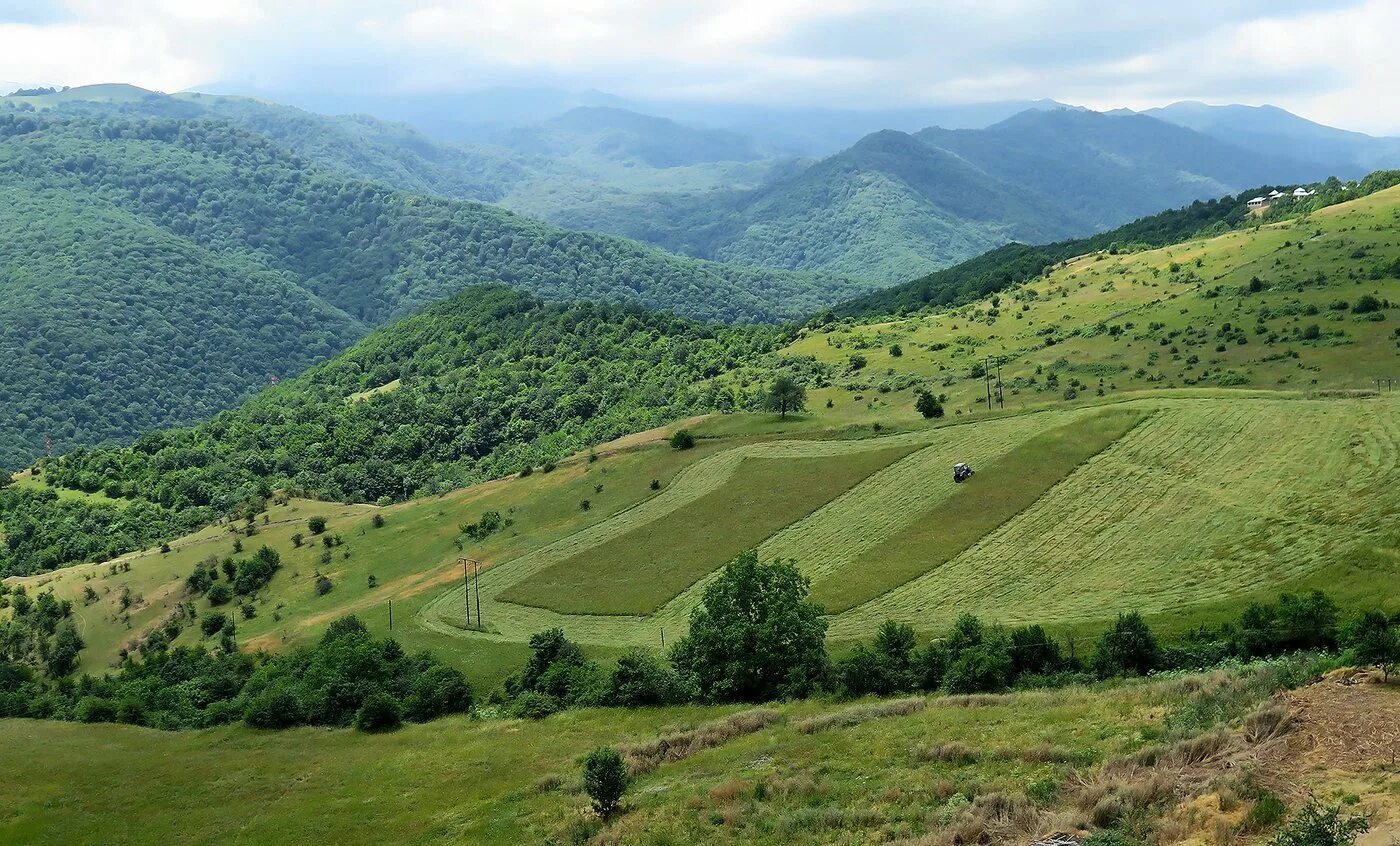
1334, 61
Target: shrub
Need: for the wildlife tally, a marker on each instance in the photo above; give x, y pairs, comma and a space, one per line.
605, 780
1366, 304
317, 525
641, 679
323, 585
1128, 648
437, 692
533, 705
928, 405
1267, 811
1375, 640
682, 439
379, 712
219, 593
212, 623
1318, 825
979, 669
277, 706
95, 709
377, 521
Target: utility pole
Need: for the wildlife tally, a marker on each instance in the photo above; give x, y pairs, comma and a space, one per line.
476, 583
1001, 397
468, 576
987, 378
391, 615
466, 590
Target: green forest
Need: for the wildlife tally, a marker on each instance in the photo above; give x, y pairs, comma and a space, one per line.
489, 382
210, 259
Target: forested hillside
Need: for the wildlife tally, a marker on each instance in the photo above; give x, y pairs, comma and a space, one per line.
897, 206
1012, 264
892, 207
489, 382
321, 259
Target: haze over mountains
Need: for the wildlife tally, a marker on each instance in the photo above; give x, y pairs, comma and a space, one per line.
886, 208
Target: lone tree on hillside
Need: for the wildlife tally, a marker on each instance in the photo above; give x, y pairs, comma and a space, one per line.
928, 405
785, 395
605, 779
755, 636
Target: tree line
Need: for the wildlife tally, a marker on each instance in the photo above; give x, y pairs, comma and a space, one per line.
757, 637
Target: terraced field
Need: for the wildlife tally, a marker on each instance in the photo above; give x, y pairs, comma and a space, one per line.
1203, 502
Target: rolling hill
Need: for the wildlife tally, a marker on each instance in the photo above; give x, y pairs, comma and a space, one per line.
1178, 423
1187, 430
1015, 263
892, 207
337, 257
897, 206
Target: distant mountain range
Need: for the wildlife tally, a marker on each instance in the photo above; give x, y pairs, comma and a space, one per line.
896, 206
892, 206
1271, 130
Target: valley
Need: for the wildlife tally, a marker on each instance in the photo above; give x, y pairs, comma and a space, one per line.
555, 472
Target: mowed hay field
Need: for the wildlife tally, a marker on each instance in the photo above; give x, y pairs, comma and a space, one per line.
1161, 504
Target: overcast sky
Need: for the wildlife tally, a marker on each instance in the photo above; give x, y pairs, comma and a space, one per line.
1331, 60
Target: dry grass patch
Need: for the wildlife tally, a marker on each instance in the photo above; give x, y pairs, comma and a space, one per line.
646, 757
861, 713
953, 752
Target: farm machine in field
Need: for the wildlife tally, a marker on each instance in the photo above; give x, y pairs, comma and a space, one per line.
961, 472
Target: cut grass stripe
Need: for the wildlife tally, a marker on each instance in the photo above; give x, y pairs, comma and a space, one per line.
994, 495
640, 570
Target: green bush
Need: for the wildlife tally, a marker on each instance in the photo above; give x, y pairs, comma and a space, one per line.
1318, 825
642, 679
682, 439
605, 780
379, 712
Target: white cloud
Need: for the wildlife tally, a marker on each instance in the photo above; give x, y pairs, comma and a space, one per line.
1332, 60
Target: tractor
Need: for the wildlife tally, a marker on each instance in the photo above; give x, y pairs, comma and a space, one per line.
961, 472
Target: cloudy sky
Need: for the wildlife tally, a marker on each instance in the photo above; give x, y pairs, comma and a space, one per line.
1330, 60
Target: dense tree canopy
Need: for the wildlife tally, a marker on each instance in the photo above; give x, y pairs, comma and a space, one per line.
487, 383
155, 271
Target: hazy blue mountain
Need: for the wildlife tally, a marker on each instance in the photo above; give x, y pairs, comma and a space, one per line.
896, 206
626, 136
1111, 169
1274, 131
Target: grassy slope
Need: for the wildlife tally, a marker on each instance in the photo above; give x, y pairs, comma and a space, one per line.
1194, 512
457, 780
